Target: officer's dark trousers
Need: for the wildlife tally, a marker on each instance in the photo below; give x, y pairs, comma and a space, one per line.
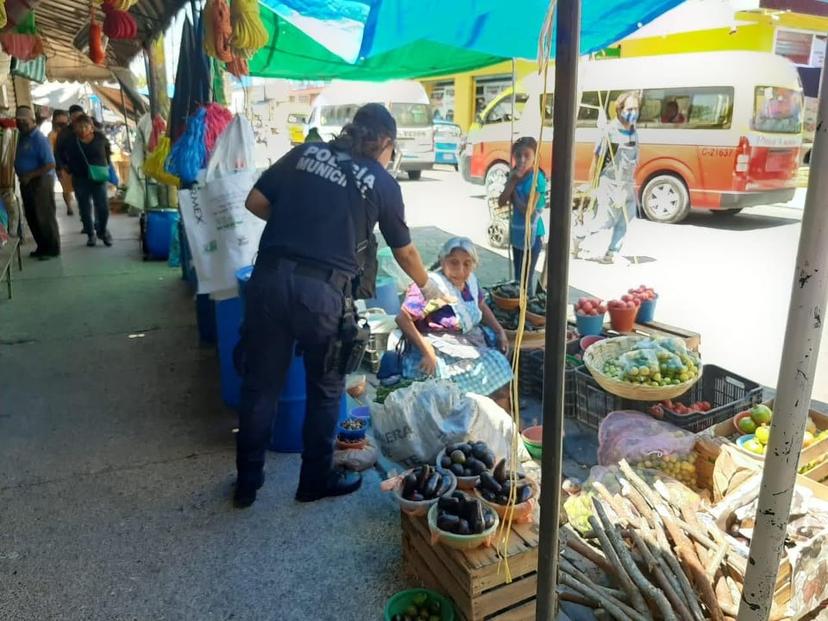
283, 308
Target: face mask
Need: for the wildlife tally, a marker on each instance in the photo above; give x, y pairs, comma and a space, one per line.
630, 116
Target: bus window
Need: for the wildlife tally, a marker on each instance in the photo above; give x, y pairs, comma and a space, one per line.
502, 111
591, 102
411, 114
711, 108
777, 110
686, 108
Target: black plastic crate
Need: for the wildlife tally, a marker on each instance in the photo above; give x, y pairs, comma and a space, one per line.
530, 381
727, 392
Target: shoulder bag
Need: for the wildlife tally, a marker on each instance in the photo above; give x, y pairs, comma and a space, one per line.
98, 174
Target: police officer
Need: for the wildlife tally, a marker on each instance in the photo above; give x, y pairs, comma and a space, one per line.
301, 289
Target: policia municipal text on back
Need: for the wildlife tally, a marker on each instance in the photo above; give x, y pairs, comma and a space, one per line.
317, 254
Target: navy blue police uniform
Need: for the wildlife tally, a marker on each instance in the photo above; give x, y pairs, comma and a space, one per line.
303, 273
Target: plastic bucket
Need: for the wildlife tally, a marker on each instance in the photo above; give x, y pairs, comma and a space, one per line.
387, 297
362, 411
589, 325
159, 231
622, 319
398, 604
646, 312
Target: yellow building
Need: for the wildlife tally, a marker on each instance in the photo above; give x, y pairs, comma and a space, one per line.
799, 36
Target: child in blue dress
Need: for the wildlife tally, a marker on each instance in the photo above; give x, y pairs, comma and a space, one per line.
517, 191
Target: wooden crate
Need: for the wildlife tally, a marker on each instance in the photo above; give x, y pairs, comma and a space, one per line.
817, 452
476, 579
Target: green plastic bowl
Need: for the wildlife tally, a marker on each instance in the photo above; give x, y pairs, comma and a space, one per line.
402, 600
534, 450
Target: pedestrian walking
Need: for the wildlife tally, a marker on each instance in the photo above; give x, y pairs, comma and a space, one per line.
87, 157
614, 160
34, 164
60, 121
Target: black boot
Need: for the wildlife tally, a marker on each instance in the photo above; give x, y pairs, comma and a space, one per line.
245, 494
339, 483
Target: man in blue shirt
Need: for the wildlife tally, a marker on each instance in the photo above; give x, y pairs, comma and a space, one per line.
34, 164
318, 200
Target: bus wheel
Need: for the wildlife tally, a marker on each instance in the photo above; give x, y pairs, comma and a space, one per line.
415, 175
496, 178
665, 199
726, 212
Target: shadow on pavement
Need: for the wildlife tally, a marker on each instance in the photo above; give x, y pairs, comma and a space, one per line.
738, 222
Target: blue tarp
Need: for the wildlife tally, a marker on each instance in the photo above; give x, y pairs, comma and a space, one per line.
361, 29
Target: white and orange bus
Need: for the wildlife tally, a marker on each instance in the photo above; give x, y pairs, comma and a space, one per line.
733, 141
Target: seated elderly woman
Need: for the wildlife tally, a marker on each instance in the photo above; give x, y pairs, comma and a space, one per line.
456, 337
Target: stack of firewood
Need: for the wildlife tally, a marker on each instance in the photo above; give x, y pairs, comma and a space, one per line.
663, 563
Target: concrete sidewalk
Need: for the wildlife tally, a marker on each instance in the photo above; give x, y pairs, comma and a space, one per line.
116, 465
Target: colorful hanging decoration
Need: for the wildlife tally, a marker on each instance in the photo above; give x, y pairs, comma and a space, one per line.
23, 42
154, 165
97, 54
189, 153
238, 67
249, 33
217, 30
3, 17
122, 5
217, 118
159, 128
118, 24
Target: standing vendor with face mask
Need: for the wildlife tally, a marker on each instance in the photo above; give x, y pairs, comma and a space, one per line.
321, 203
616, 153
34, 164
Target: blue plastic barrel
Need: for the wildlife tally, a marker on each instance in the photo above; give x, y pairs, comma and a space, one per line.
159, 231
387, 297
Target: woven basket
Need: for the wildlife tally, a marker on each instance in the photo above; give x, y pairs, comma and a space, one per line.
598, 353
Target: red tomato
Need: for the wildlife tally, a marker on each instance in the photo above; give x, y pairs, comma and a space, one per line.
631, 305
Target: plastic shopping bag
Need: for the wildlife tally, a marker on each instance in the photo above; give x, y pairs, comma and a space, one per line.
647, 443
233, 151
223, 235
417, 422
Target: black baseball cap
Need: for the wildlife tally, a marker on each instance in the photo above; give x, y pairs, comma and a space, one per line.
75, 108
377, 117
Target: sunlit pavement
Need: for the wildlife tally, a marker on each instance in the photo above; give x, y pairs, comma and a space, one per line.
728, 278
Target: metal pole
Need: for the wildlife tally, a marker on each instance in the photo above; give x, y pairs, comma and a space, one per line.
126, 118
806, 315
567, 47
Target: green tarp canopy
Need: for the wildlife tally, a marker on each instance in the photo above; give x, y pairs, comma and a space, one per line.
290, 53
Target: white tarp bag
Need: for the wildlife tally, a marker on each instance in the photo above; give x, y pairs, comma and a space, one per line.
223, 235
417, 422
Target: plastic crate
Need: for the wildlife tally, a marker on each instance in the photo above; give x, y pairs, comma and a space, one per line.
727, 392
530, 381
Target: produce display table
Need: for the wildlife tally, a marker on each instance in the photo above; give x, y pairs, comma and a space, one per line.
475, 579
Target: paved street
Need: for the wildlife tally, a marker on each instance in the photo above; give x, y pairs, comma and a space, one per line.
726, 278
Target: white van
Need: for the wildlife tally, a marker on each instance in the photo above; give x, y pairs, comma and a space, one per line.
405, 99
718, 130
